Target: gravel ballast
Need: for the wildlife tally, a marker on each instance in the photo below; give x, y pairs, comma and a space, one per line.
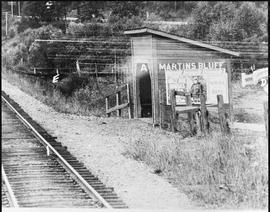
99, 143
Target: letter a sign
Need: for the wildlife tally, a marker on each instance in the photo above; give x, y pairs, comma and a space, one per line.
142, 67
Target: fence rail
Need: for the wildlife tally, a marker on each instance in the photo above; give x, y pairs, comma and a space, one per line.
198, 116
119, 105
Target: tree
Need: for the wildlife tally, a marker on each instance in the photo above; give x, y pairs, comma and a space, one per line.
90, 10
44, 11
223, 11
203, 18
248, 21
222, 26
127, 9
37, 13
171, 10
126, 15
34, 10
230, 21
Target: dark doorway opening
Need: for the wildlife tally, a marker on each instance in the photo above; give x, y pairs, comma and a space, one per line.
145, 94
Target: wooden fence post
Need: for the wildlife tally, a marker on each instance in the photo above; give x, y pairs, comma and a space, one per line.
224, 126
198, 123
204, 114
78, 68
129, 103
118, 102
173, 115
190, 115
265, 107
107, 106
161, 108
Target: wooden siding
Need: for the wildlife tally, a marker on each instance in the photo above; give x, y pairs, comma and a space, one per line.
170, 51
157, 33
176, 49
142, 53
153, 49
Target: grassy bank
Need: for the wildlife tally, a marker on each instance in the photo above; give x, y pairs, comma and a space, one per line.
214, 171
88, 99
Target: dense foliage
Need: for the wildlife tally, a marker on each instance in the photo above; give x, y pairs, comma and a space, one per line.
229, 21
26, 50
215, 20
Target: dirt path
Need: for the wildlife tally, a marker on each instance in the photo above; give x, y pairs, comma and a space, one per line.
248, 103
99, 143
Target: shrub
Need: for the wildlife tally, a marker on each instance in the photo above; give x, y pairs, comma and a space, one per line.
25, 50
11, 33
38, 55
119, 24
71, 83
27, 24
59, 25
75, 29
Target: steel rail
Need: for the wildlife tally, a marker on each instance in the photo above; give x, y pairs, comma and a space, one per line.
9, 189
71, 169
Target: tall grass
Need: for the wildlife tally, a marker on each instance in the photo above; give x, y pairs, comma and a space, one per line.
216, 171
86, 100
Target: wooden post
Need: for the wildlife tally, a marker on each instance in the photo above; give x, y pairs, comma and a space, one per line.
12, 3
19, 8
78, 68
115, 66
6, 24
229, 70
107, 107
224, 126
204, 114
129, 103
118, 102
161, 108
96, 72
198, 123
190, 115
173, 115
265, 107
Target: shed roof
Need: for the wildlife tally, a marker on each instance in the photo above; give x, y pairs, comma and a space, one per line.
182, 39
251, 50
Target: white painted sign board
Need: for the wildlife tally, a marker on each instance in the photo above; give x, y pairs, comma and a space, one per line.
185, 75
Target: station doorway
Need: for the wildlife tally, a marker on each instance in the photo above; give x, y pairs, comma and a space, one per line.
145, 95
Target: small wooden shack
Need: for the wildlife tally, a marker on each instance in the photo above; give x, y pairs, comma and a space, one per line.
162, 61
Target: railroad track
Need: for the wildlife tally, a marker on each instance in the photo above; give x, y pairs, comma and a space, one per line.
40, 172
6, 201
